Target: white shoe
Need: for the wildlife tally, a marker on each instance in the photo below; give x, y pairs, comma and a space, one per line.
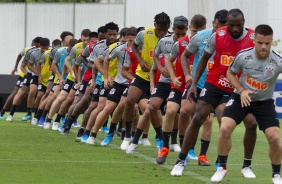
131, 148
9, 118
174, 148
34, 121
177, 169
146, 142
90, 140
219, 174
55, 126
125, 143
248, 173
46, 125
276, 179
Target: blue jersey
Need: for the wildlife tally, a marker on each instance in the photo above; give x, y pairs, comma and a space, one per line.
59, 59
203, 38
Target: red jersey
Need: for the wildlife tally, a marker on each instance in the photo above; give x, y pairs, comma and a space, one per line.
225, 50
88, 72
182, 43
158, 73
134, 62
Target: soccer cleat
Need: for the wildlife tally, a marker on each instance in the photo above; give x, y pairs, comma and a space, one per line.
78, 139
247, 172
90, 140
203, 161
192, 155
131, 148
125, 143
75, 124
9, 118
84, 138
55, 126
107, 140
41, 122
34, 121
61, 127
1, 117
64, 132
174, 148
216, 165
27, 117
162, 155
276, 179
159, 143
105, 129
64, 120
146, 142
118, 132
219, 174
186, 161
177, 169
47, 125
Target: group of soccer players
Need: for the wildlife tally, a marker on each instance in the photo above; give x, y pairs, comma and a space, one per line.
147, 69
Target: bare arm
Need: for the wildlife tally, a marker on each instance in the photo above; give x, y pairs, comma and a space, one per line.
16, 65
185, 63
76, 72
144, 65
31, 68
162, 69
152, 79
55, 70
170, 68
126, 74
22, 67
69, 67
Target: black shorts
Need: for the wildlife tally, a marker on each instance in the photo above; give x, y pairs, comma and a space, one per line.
116, 92
124, 93
89, 83
104, 92
34, 80
175, 96
95, 94
263, 111
213, 95
42, 88
19, 81
26, 81
53, 87
140, 83
51, 78
195, 99
83, 87
68, 86
161, 90
143, 96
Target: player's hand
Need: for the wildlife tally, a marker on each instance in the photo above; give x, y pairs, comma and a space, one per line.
164, 71
192, 92
245, 97
61, 81
14, 71
92, 86
144, 66
188, 79
73, 75
39, 79
176, 82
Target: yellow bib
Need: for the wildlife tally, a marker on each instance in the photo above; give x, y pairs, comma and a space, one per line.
45, 69
150, 42
113, 65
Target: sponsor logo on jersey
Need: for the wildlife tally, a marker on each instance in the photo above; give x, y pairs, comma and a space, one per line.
252, 36
210, 64
221, 33
151, 53
269, 71
149, 33
226, 60
256, 84
223, 81
184, 43
205, 40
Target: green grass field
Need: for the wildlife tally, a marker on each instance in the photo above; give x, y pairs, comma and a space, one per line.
30, 154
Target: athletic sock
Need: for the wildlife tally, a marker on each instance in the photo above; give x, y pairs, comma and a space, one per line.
144, 136
35, 110
275, 169
93, 134
14, 108
48, 120
166, 136
159, 133
113, 127
2, 112
222, 160
44, 114
80, 132
86, 132
128, 129
204, 147
120, 125
29, 111
58, 118
137, 135
247, 163
181, 156
174, 136
38, 114
132, 133
181, 138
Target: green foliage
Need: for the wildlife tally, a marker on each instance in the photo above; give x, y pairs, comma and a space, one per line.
276, 42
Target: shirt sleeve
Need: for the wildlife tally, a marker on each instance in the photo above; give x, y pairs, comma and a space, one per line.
194, 44
158, 48
210, 46
22, 52
139, 39
42, 58
104, 53
72, 53
32, 58
52, 54
86, 51
56, 58
114, 53
126, 60
174, 50
237, 64
78, 60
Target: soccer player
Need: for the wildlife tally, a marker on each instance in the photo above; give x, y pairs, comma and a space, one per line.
198, 22
161, 90
226, 42
259, 67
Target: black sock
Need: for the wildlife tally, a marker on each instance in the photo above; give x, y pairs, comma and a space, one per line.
29, 111
93, 134
275, 169
145, 136
58, 118
14, 108
120, 125
112, 128
204, 147
35, 110
86, 132
159, 133
247, 163
2, 112
38, 114
182, 156
193, 146
222, 160
174, 136
128, 129
69, 122
48, 120
181, 138
166, 136
80, 132
137, 135
44, 114
122, 133
106, 123
132, 133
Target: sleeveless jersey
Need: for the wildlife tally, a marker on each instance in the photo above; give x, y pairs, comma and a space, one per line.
78, 48
226, 49
87, 76
150, 42
113, 65
134, 61
45, 68
158, 73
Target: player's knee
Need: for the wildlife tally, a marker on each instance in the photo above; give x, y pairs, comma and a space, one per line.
225, 131
274, 140
130, 102
250, 124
